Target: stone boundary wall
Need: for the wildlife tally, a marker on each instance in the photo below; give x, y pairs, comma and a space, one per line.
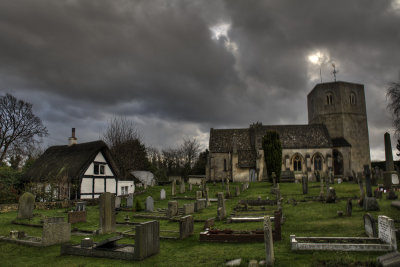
49, 205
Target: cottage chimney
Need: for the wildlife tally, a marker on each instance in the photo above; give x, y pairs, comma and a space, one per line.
73, 140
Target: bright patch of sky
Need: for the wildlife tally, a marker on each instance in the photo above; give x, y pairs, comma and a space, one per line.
219, 31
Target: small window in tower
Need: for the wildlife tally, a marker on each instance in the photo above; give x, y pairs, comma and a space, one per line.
224, 164
329, 99
352, 99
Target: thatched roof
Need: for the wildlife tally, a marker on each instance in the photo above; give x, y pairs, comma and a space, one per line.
71, 162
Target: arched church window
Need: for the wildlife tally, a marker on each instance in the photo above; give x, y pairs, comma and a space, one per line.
329, 99
352, 98
297, 163
318, 163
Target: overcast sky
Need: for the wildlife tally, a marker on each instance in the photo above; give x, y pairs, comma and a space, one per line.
178, 68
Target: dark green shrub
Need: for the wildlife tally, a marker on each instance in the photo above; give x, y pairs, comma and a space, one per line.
138, 205
272, 154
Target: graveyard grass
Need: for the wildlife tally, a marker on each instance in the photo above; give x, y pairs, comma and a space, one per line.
303, 218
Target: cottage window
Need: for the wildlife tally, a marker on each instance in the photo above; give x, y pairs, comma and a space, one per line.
297, 163
318, 163
124, 190
99, 169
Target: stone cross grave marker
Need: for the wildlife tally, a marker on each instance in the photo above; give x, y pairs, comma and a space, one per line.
269, 244
149, 204
221, 212
162, 194
107, 212
26, 204
117, 202
173, 188
129, 201
370, 225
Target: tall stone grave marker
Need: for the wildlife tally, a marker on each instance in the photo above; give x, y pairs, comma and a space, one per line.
370, 202
304, 180
129, 201
172, 209
173, 188
228, 192
207, 199
117, 202
190, 187
390, 176
186, 226
221, 211
269, 244
162, 194
237, 191
182, 188
26, 203
367, 174
149, 204
107, 212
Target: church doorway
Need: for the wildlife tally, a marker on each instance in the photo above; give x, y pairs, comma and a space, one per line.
337, 162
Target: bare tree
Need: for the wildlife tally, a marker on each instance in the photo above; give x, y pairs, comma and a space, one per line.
18, 126
190, 149
126, 146
393, 94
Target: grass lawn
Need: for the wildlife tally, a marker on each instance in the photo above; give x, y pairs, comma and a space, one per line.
307, 218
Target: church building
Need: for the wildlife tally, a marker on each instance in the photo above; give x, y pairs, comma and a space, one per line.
335, 139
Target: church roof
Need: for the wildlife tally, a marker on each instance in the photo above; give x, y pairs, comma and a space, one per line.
340, 142
60, 162
292, 137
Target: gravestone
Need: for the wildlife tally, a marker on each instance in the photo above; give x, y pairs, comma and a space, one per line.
321, 192
107, 212
370, 226
277, 225
390, 175
268, 241
186, 226
206, 192
55, 231
367, 174
147, 239
76, 216
362, 193
129, 201
80, 206
228, 192
370, 204
200, 204
209, 223
173, 188
237, 191
331, 195
273, 176
387, 231
117, 202
172, 209
349, 207
199, 194
26, 204
188, 208
162, 194
182, 188
149, 204
221, 212
190, 187
304, 180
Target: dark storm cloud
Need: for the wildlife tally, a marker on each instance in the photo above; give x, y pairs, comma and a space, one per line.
82, 62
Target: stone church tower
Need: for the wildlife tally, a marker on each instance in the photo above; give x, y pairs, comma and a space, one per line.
341, 107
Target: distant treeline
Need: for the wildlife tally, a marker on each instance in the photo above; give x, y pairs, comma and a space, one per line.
382, 164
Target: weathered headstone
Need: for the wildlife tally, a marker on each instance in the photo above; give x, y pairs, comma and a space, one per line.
107, 212
149, 204
237, 191
162, 194
349, 207
387, 231
200, 204
182, 188
172, 209
221, 212
370, 204
173, 188
117, 202
207, 199
199, 194
76, 216
208, 223
188, 208
304, 180
190, 187
331, 195
228, 192
186, 226
388, 174
26, 204
321, 192
362, 193
269, 244
147, 239
55, 231
277, 225
129, 201
370, 226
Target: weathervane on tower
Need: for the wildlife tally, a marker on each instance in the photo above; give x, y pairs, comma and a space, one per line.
334, 71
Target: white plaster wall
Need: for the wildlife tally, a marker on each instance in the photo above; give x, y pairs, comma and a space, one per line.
110, 185
130, 184
86, 185
99, 185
